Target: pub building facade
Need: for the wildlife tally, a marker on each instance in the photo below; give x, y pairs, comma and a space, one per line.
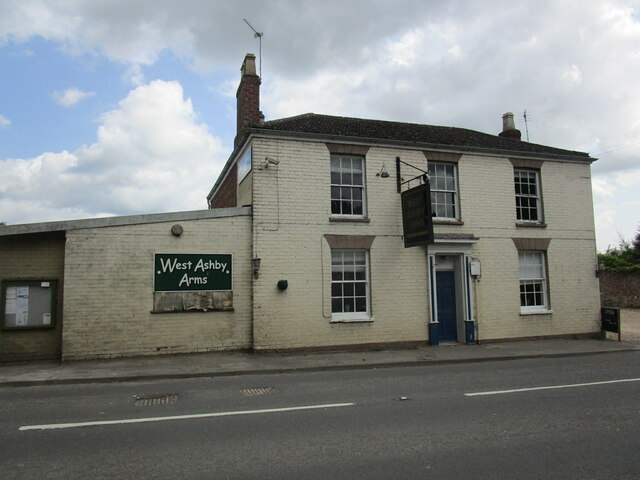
322, 232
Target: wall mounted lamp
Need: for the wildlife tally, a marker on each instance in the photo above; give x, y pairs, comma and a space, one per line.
177, 230
383, 173
255, 261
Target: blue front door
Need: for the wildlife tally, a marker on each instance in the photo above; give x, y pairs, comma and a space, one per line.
446, 298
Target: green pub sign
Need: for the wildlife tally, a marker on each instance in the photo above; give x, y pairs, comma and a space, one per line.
417, 219
176, 272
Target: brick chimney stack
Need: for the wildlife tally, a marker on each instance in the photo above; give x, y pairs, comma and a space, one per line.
248, 97
509, 129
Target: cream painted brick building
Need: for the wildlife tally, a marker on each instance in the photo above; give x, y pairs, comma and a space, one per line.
514, 253
107, 302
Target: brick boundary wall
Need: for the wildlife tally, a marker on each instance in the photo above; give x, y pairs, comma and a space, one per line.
620, 289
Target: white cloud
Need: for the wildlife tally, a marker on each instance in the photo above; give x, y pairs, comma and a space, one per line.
134, 75
461, 63
572, 76
71, 97
617, 206
151, 155
602, 188
4, 121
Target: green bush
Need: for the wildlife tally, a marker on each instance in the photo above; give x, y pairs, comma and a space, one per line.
624, 258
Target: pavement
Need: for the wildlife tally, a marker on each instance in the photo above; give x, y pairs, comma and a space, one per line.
248, 363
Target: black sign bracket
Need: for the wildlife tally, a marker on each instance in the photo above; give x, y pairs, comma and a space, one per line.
424, 176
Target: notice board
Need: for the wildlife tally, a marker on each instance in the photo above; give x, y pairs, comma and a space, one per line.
28, 304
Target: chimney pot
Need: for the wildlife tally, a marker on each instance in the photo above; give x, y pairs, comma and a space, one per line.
509, 129
248, 66
507, 122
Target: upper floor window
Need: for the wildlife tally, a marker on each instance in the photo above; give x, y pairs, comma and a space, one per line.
527, 185
444, 190
244, 165
347, 185
533, 281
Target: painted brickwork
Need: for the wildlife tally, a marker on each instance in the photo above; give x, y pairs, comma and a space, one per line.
33, 257
488, 211
109, 290
292, 215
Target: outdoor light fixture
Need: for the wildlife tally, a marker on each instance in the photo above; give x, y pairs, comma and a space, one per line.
383, 173
256, 266
177, 230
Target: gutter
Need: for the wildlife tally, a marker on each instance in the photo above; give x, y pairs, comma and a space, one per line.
63, 226
333, 138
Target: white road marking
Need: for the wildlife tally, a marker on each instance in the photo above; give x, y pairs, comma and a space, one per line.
551, 387
57, 426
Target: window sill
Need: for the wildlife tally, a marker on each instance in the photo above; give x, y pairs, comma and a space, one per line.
525, 313
352, 320
350, 219
447, 221
198, 310
531, 224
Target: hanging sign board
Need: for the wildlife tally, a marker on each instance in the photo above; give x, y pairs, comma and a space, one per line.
175, 272
417, 220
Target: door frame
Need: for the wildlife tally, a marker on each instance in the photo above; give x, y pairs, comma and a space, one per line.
460, 253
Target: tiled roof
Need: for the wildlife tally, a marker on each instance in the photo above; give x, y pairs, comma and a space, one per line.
380, 130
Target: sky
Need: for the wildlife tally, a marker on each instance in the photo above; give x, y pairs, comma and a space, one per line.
120, 107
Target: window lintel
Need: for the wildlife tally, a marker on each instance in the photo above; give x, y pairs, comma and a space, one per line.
532, 244
363, 242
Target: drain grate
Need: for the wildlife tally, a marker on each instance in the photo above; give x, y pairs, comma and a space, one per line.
146, 400
252, 392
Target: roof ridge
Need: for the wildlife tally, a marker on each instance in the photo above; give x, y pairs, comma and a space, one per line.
315, 123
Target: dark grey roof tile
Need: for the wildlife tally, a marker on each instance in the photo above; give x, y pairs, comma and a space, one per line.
360, 128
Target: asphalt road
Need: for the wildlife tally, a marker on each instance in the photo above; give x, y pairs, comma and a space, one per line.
438, 421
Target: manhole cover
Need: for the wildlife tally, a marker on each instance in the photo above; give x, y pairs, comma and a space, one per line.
146, 400
251, 392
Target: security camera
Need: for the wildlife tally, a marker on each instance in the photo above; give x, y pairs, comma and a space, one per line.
272, 161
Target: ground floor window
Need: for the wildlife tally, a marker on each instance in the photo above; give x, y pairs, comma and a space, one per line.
350, 284
533, 281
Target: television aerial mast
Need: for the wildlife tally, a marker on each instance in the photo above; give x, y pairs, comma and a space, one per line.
258, 35
526, 123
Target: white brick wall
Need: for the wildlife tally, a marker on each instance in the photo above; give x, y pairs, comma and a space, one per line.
488, 209
292, 214
109, 290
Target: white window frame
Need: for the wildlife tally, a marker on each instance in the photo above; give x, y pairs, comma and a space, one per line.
527, 196
441, 189
348, 186
344, 262
533, 272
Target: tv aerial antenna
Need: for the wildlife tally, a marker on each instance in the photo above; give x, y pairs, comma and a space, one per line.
526, 123
258, 35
